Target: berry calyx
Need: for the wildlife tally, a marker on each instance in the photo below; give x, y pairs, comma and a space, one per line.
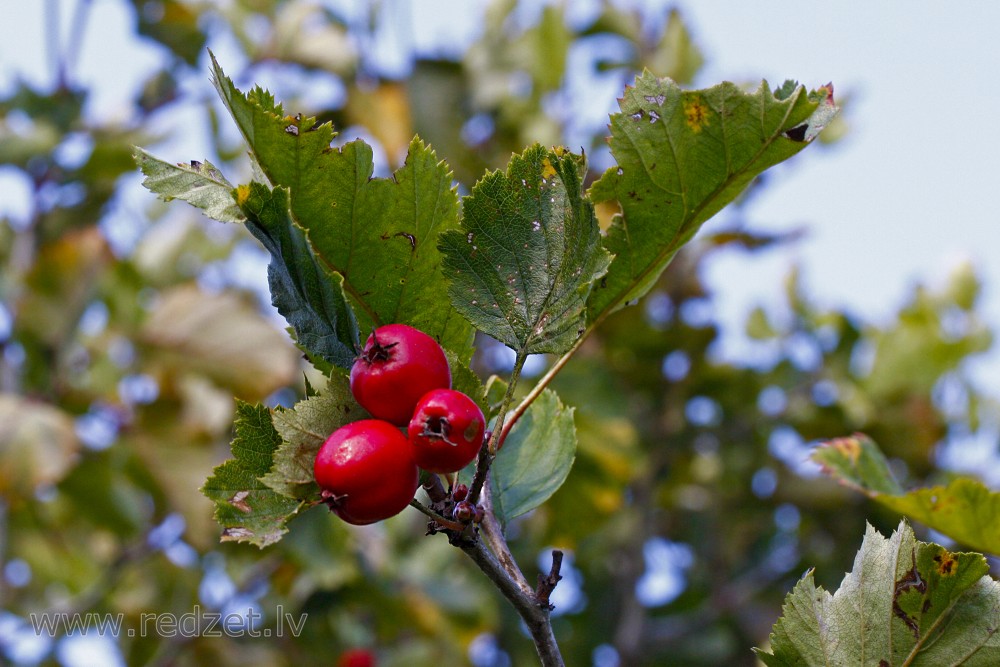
366, 471
397, 366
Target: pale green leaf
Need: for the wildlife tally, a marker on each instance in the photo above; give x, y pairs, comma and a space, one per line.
303, 430
964, 509
200, 184
535, 458
245, 507
682, 156
905, 602
528, 253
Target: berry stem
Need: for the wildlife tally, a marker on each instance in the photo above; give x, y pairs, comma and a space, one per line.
489, 448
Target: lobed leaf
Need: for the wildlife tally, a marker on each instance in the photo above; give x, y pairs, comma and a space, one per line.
310, 297
528, 253
964, 509
245, 507
905, 602
303, 430
682, 156
200, 184
379, 234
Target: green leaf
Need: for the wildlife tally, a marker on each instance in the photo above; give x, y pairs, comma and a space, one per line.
905, 603
682, 156
309, 296
245, 507
535, 458
528, 253
964, 510
200, 184
378, 233
303, 430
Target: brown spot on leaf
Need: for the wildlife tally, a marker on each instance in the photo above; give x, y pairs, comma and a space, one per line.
696, 113
239, 501
231, 534
910, 581
946, 564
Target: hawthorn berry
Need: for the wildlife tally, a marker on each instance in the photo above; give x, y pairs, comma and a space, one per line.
446, 430
398, 365
460, 493
366, 471
356, 657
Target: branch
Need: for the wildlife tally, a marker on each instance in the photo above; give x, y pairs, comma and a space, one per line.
547, 583
535, 616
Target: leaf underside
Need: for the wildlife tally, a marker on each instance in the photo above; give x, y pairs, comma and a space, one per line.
905, 602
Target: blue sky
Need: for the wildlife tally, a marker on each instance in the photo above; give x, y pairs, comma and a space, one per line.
905, 198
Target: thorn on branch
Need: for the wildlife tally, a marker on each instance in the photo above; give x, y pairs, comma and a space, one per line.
547, 583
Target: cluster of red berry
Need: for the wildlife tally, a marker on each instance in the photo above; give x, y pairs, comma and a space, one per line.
368, 470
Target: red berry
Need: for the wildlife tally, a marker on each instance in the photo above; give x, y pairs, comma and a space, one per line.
367, 472
446, 430
460, 493
398, 365
356, 657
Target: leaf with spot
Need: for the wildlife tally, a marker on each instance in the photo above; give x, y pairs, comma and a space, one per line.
245, 507
682, 156
305, 292
528, 253
905, 602
964, 509
379, 234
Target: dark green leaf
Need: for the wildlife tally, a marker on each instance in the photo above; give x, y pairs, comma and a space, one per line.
682, 156
964, 510
378, 233
308, 295
905, 603
200, 184
528, 253
245, 507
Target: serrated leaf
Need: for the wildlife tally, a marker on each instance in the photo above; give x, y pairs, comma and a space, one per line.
378, 233
535, 458
303, 429
682, 156
964, 510
200, 184
905, 602
309, 296
528, 253
245, 507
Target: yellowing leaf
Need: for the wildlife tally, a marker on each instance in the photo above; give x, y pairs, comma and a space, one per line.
964, 509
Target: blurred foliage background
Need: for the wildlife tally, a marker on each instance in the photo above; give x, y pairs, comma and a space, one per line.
127, 330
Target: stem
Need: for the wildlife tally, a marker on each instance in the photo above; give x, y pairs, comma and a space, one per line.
537, 390
534, 615
490, 447
437, 518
